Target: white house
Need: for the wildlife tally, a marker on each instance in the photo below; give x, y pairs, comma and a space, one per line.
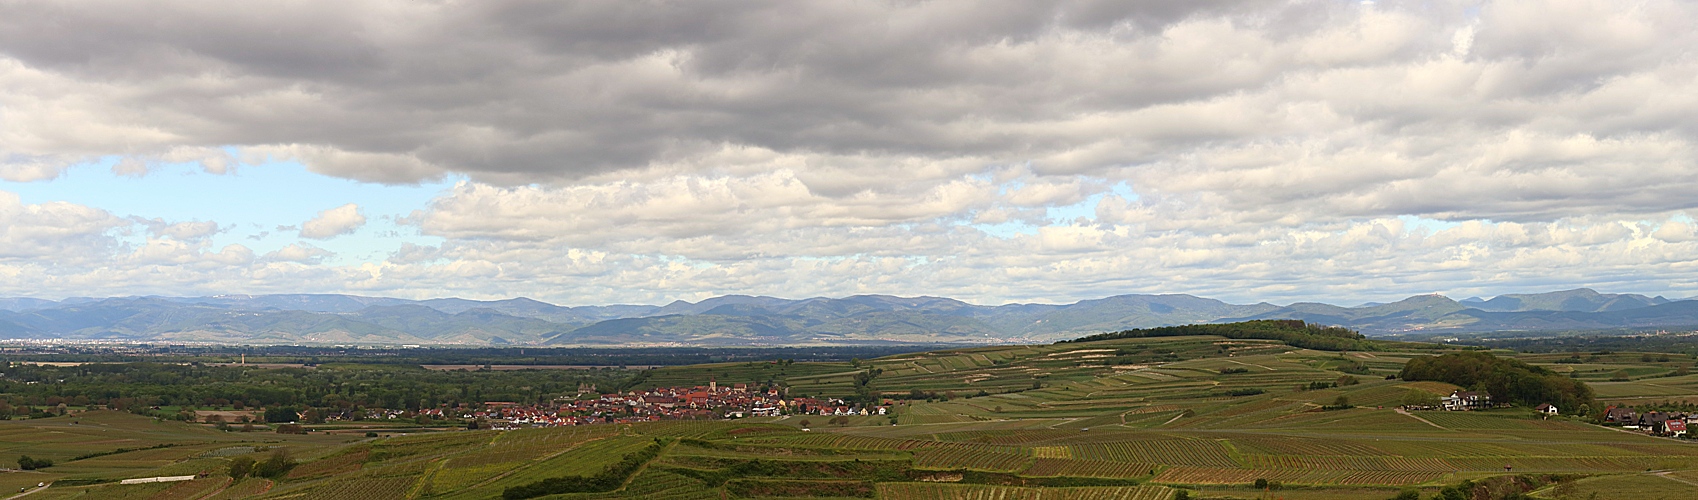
1466, 400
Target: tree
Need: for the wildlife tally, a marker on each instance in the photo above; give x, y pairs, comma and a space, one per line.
1506, 380
27, 463
1341, 402
274, 466
1420, 398
805, 423
1293, 332
240, 467
281, 414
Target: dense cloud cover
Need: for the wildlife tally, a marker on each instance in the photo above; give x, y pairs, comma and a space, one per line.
991, 151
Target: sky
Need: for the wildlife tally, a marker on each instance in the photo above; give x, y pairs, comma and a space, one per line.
599, 152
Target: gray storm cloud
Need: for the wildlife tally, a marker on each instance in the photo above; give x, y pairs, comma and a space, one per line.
826, 136
1381, 109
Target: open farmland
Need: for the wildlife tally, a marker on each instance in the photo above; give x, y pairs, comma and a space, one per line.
1144, 418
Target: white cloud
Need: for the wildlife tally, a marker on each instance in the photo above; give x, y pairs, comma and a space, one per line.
333, 222
1247, 150
183, 231
299, 253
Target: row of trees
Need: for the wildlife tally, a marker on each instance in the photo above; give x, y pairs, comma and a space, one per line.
127, 385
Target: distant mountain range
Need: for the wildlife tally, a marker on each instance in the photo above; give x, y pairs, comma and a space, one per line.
745, 320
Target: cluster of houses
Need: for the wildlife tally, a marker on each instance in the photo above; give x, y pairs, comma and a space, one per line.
1651, 422
1461, 400
1466, 400
661, 403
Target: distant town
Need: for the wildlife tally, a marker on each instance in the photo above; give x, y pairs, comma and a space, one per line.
662, 403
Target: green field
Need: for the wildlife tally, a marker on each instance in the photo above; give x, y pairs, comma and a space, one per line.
1206, 416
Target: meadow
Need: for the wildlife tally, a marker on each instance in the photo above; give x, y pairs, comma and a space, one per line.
1142, 418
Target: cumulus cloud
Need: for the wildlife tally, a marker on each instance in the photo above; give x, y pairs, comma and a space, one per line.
54, 230
1265, 149
299, 253
333, 222
182, 231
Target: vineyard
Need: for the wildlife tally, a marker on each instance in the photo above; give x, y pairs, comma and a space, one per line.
1199, 475
1040, 422
192, 489
920, 491
662, 485
374, 488
245, 488
968, 458
1050, 467
1165, 451
348, 461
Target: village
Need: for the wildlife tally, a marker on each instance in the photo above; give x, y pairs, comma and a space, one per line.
1656, 423
662, 403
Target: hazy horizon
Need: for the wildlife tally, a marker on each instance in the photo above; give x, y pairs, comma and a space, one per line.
1339, 302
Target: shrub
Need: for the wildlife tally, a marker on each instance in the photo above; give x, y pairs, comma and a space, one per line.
274, 466
240, 467
27, 463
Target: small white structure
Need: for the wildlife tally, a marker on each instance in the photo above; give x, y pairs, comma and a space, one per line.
1547, 409
160, 479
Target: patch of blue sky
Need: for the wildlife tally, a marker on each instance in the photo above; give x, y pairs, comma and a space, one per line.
1412, 223
1007, 229
249, 204
1087, 208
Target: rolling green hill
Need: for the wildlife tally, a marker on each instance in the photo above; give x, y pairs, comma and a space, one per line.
1145, 417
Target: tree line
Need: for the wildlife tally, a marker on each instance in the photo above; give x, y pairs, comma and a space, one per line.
35, 389
1506, 380
1294, 332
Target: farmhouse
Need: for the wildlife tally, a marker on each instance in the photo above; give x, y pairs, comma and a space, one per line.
1621, 416
1467, 400
1547, 409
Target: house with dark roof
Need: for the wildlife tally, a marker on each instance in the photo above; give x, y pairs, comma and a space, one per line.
1624, 417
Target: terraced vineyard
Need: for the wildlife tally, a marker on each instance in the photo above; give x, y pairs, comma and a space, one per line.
1133, 418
